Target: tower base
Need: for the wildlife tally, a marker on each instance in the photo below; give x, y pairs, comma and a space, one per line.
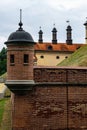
20, 86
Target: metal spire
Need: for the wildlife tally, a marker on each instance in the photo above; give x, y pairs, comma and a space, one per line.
40, 27
20, 23
54, 24
68, 22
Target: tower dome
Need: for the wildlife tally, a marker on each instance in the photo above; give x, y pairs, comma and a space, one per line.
20, 36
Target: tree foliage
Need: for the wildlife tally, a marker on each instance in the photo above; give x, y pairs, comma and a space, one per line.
3, 60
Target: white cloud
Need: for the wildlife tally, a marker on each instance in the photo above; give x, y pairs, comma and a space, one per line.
66, 4
43, 13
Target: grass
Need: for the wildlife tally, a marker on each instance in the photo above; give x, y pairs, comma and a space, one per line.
78, 58
2, 104
6, 121
5, 112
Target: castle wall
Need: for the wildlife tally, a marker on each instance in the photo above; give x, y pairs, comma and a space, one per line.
58, 101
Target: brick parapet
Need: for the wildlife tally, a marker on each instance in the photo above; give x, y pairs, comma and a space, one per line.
60, 74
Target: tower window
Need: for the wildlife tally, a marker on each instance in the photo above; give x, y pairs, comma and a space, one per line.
11, 58
26, 58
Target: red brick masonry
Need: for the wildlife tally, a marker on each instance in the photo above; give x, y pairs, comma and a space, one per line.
58, 101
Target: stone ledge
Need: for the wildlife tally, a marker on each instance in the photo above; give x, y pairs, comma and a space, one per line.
20, 86
60, 83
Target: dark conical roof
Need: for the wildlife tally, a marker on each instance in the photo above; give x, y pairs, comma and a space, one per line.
69, 27
54, 30
40, 32
20, 36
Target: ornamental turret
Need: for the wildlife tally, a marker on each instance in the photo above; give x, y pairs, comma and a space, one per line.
54, 35
40, 40
20, 53
69, 34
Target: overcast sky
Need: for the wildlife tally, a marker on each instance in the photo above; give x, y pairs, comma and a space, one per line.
44, 13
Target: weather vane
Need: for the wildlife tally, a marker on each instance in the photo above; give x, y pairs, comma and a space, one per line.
20, 15
54, 24
68, 21
40, 27
20, 23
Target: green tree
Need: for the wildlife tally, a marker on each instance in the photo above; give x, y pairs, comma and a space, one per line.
3, 60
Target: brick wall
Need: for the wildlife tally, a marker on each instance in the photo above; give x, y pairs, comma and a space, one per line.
60, 74
57, 101
19, 70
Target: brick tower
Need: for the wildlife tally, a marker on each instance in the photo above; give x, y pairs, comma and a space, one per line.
20, 53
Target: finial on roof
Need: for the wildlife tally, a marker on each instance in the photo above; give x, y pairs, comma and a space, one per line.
54, 24
54, 28
40, 32
20, 23
40, 27
68, 21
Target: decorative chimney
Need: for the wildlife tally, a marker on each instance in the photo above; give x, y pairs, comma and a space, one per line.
20, 52
69, 34
40, 36
54, 35
85, 24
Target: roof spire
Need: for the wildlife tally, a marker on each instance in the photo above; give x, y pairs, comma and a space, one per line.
40, 27
69, 33
54, 34
68, 22
40, 40
20, 23
54, 24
